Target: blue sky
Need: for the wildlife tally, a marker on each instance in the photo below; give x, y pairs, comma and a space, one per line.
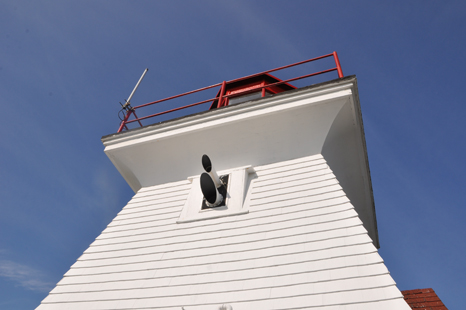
65, 65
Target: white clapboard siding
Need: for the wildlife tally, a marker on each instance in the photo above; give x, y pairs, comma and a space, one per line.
253, 276
257, 218
297, 216
301, 246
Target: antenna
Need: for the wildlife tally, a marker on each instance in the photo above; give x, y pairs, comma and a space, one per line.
128, 102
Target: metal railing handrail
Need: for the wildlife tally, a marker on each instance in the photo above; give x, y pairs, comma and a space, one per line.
222, 96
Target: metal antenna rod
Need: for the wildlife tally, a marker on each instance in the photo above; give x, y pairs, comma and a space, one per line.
134, 90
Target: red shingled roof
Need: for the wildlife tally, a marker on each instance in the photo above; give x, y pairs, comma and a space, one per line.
423, 299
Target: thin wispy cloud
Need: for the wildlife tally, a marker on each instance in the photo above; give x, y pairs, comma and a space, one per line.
24, 276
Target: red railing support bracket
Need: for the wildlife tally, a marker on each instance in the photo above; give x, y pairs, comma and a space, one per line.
337, 62
220, 98
125, 120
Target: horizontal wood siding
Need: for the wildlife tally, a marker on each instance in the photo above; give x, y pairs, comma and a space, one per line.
301, 246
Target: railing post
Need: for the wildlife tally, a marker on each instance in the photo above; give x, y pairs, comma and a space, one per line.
134, 112
123, 122
337, 62
222, 92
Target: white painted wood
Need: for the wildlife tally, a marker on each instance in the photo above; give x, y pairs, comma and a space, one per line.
297, 167
302, 244
295, 173
263, 224
270, 186
257, 216
279, 287
254, 276
165, 186
160, 200
154, 198
311, 159
291, 266
149, 206
307, 122
156, 190
299, 175
84, 266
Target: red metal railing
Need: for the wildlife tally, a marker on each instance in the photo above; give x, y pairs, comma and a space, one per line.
132, 110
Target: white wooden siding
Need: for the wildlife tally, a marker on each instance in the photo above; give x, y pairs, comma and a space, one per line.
301, 246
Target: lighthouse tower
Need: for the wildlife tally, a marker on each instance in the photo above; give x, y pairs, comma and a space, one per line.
262, 202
